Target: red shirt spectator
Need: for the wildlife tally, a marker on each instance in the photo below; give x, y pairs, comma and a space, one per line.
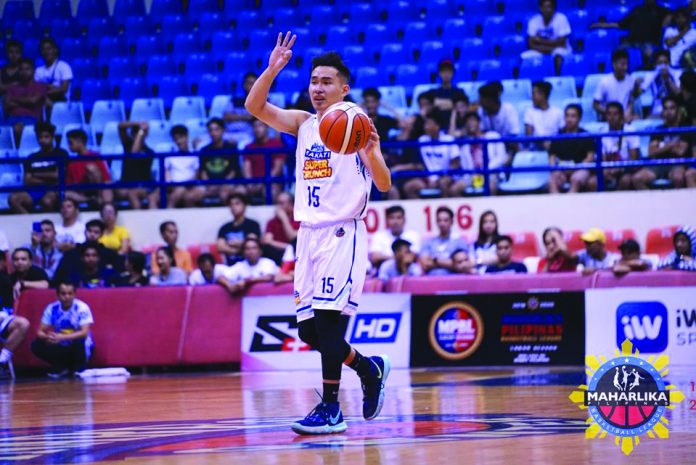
77, 170
255, 164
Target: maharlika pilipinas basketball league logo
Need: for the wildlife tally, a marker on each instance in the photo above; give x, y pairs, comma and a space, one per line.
456, 331
627, 397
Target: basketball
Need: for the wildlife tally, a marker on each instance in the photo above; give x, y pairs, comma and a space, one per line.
344, 128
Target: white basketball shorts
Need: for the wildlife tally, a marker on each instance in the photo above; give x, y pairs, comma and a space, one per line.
330, 267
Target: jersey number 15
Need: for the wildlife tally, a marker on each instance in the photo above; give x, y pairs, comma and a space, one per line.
312, 196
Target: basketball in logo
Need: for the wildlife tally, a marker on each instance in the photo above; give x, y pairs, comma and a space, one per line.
455, 331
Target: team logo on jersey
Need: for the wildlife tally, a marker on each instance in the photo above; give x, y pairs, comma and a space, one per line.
316, 164
340, 232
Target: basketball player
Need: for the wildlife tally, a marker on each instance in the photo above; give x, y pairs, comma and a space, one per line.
331, 197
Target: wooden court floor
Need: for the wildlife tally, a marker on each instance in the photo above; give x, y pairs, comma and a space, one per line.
491, 417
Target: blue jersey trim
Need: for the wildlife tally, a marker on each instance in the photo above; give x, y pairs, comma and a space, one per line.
303, 308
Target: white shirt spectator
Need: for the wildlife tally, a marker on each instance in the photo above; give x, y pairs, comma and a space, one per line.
506, 122
197, 279
244, 270
659, 88
69, 321
585, 260
472, 155
182, 168
611, 146
74, 234
544, 122
609, 89
557, 28
388, 270
438, 157
4, 243
678, 49
382, 241
55, 74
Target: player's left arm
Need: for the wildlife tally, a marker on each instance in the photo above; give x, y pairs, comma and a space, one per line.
373, 159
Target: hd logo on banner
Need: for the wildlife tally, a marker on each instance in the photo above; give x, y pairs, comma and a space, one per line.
270, 340
659, 320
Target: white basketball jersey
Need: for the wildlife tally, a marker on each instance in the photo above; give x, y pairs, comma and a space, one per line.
329, 187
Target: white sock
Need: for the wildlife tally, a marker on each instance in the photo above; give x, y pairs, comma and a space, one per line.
5, 355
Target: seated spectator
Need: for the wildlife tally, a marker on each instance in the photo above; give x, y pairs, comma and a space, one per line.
92, 274
64, 339
44, 248
457, 126
617, 86
137, 168
669, 146
472, 157
548, 33
26, 275
558, 258
484, 249
404, 262
13, 330
446, 94
170, 235
684, 255
372, 102
595, 257
56, 73
462, 262
236, 118
182, 169
434, 158
40, 172
71, 231
134, 274
435, 257
687, 85
503, 249
542, 119
630, 259
24, 100
662, 82
169, 274
495, 114
381, 244
281, 230
9, 73
72, 259
86, 172
568, 152
219, 161
4, 244
208, 272
231, 235
115, 237
253, 267
680, 37
254, 164
622, 148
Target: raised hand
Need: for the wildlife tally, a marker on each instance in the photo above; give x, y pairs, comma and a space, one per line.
281, 54
373, 141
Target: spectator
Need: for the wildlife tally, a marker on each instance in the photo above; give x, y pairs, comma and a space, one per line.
91, 274
496, 115
434, 158
568, 152
595, 257
617, 86
13, 330
56, 73
680, 37
404, 262
253, 267
630, 259
558, 258
217, 163
71, 231
64, 338
447, 93
462, 263
170, 235
457, 126
684, 255
25, 99
72, 259
669, 146
115, 237
436, 254
687, 83
484, 249
4, 244
86, 172
208, 272
254, 164
182, 169
169, 274
372, 102
9, 73
415, 126
472, 156
26, 275
44, 248
136, 168
237, 120
662, 82
503, 250
380, 246
281, 230
40, 172
548, 33
134, 274
542, 119
231, 235
621, 148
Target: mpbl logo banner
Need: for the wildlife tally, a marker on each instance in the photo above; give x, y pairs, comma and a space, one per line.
376, 328
645, 324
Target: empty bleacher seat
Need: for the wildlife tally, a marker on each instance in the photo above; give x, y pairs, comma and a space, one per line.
563, 87
410, 75
430, 51
616, 237
7, 141
197, 64
100, 27
55, 9
137, 26
203, 6
106, 111
471, 88
659, 240
170, 87
150, 45
92, 9
121, 67
92, 90
161, 65
289, 81
63, 28
525, 245
515, 90
590, 85
163, 8
210, 85
28, 143
471, 48
218, 105
528, 181
212, 21
111, 141
368, 76
536, 68
509, 46
394, 96
174, 24
145, 109
18, 10
158, 133
185, 108
70, 48
65, 113
377, 34
186, 43
124, 8
394, 54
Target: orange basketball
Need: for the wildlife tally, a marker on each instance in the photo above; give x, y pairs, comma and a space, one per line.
344, 128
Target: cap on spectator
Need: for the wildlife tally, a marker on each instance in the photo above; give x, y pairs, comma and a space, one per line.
630, 246
445, 63
594, 235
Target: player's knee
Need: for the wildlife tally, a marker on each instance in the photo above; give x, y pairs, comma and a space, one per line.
308, 334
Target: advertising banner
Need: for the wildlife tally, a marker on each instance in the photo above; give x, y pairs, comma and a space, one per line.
498, 329
270, 341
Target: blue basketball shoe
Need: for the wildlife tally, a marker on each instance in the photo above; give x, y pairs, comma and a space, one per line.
326, 418
373, 387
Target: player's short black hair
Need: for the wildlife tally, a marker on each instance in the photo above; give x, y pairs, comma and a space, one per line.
502, 238
23, 249
616, 105
444, 209
217, 121
205, 258
77, 134
334, 60
395, 209
399, 243
372, 92
543, 86
164, 224
178, 130
619, 54
44, 127
576, 107
96, 224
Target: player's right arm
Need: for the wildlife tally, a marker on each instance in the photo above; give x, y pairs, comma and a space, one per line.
288, 121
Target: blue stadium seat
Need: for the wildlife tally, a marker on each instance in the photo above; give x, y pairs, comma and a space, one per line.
64, 28
377, 34
595, 127
65, 113
7, 141
236, 62
477, 7
28, 143
163, 8
484, 70
356, 55
173, 25
92, 90
536, 68
368, 76
99, 27
616, 13
337, 36
363, 13
210, 85
218, 105
161, 65
169, 87
246, 20
563, 88
498, 25
601, 62
145, 109
431, 51
289, 81
409, 76
395, 96
456, 29
579, 20
285, 19
18, 10
25, 29
203, 6
635, 58
69, 49
438, 10
529, 181
54, 9
112, 46
137, 26
197, 128
212, 21
471, 88
599, 40
150, 45
470, 49
184, 44
576, 65
184, 108
92, 9
259, 37
590, 84
224, 43
121, 67
509, 46
159, 133
419, 30
199, 63
521, 107
515, 90
111, 145
399, 11
86, 68
394, 54
124, 8
131, 88
106, 111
